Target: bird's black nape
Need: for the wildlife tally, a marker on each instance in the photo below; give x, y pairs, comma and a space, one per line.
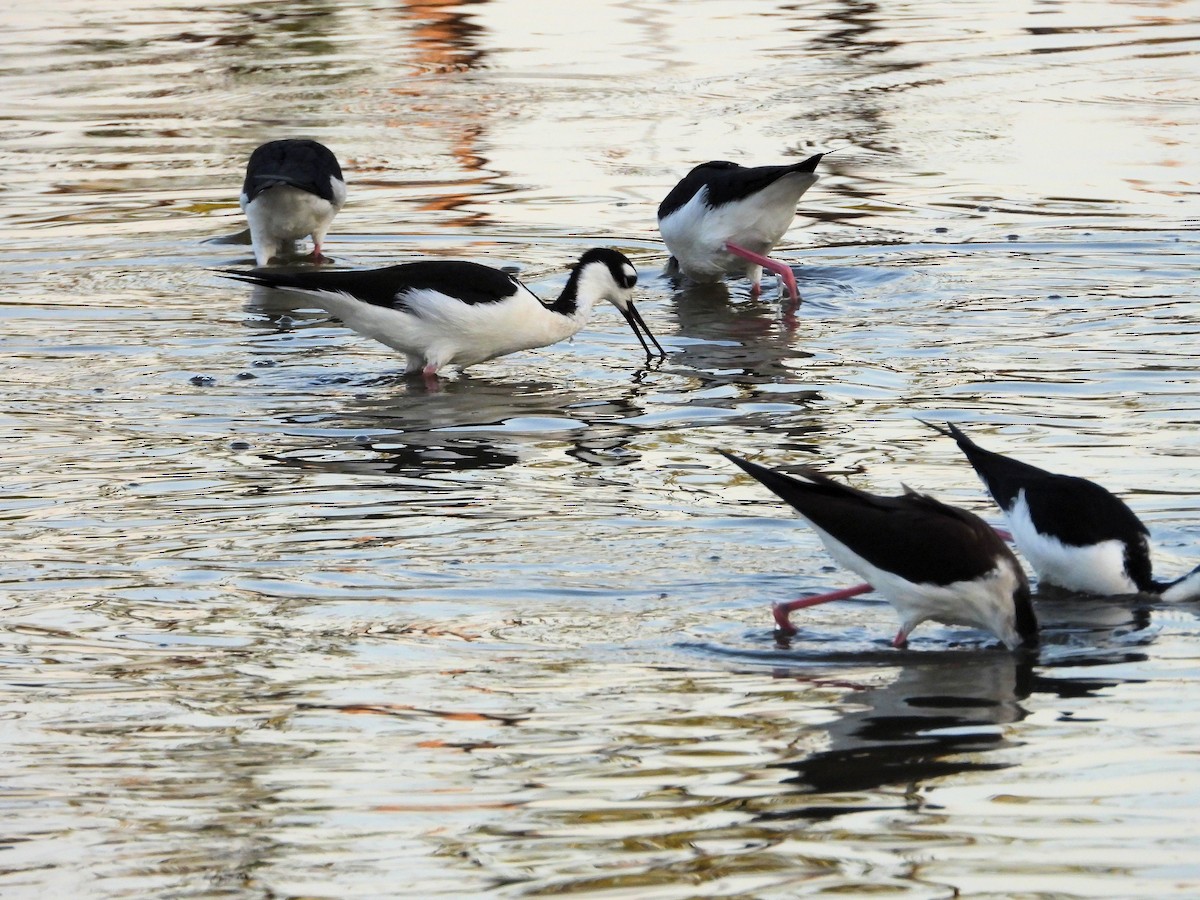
613, 260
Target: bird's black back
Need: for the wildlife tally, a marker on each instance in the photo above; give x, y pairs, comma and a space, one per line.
303, 164
728, 181
914, 536
1075, 510
469, 282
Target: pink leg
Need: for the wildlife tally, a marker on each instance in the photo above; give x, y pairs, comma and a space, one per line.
770, 265
781, 610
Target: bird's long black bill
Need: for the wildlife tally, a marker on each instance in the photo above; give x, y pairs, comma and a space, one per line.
636, 322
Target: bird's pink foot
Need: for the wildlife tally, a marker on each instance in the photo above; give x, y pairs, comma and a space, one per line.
900, 641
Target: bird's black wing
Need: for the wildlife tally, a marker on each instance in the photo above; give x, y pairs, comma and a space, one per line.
728, 181
1075, 510
915, 536
303, 164
470, 283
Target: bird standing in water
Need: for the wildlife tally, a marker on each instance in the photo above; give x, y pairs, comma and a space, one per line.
725, 219
450, 312
1076, 534
293, 189
928, 560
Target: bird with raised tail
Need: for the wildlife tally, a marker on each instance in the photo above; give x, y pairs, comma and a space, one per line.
1076, 534
453, 313
725, 219
930, 561
293, 189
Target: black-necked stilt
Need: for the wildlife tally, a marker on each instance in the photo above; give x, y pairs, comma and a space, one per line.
442, 313
293, 189
1076, 534
725, 219
927, 559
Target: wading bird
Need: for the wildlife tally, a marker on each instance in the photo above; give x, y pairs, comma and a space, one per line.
725, 219
293, 189
454, 313
1076, 534
927, 559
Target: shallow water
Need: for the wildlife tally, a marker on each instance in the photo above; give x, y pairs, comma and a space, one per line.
278, 623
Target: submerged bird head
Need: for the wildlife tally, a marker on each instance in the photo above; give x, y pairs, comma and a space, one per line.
603, 274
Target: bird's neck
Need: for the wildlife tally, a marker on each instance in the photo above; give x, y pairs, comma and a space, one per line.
579, 295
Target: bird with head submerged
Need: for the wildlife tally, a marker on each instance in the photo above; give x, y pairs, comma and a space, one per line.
1076, 534
929, 560
293, 189
725, 219
442, 313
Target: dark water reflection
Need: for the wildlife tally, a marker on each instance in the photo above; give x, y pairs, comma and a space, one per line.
934, 720
275, 621
939, 717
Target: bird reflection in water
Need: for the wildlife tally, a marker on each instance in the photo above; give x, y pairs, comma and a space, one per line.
934, 719
473, 423
744, 340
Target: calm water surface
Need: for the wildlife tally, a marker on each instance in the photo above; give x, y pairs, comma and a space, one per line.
277, 623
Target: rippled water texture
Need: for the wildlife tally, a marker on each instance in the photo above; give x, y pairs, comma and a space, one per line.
277, 623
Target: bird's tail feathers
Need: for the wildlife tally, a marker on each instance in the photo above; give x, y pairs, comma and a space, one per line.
951, 430
789, 485
254, 276
808, 165
1185, 588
